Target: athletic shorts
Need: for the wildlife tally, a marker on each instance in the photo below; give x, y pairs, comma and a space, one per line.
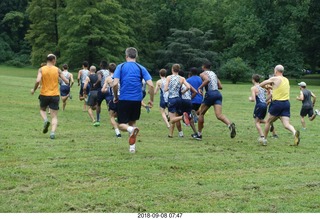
280, 108
101, 97
196, 106
304, 112
128, 111
260, 111
81, 89
111, 105
51, 101
64, 90
163, 104
92, 98
174, 105
186, 106
212, 97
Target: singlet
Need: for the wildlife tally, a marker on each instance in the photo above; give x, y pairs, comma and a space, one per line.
306, 103
186, 95
213, 81
174, 86
282, 92
164, 94
66, 75
261, 96
49, 80
105, 74
84, 74
93, 79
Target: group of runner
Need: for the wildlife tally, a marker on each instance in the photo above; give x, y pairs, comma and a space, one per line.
123, 87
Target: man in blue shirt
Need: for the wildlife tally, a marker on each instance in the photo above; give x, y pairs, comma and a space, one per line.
129, 75
195, 81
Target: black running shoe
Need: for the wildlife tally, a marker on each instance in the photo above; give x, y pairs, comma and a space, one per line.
232, 128
45, 127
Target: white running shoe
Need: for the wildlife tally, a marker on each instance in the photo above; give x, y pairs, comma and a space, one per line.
316, 112
132, 149
262, 141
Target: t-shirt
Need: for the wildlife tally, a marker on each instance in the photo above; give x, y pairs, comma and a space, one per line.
195, 81
130, 75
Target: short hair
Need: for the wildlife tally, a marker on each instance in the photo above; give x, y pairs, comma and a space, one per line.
256, 78
194, 71
112, 67
51, 57
162, 72
85, 64
132, 52
104, 64
279, 68
207, 65
93, 68
65, 66
176, 68
181, 73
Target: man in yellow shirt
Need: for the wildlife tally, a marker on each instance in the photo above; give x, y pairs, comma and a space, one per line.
280, 104
49, 96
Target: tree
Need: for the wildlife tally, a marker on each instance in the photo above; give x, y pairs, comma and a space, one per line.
98, 32
189, 48
43, 33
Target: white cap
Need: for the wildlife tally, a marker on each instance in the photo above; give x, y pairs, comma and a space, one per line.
302, 84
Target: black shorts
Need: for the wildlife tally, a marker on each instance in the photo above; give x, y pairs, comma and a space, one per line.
51, 101
92, 98
308, 111
128, 111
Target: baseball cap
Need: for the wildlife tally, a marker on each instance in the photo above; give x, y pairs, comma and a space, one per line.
302, 84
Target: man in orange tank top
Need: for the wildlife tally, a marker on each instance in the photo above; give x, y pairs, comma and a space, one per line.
49, 96
280, 104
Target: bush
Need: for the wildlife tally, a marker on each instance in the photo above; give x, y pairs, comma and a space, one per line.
236, 70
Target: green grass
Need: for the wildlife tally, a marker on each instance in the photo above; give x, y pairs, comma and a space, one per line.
86, 169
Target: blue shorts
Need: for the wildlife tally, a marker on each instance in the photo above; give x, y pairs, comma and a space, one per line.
101, 97
186, 106
212, 97
174, 105
163, 104
260, 111
64, 90
81, 89
280, 108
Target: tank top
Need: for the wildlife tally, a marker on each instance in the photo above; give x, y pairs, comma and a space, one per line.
213, 81
105, 74
307, 103
282, 92
84, 74
164, 94
174, 86
66, 74
261, 97
50, 81
93, 79
186, 95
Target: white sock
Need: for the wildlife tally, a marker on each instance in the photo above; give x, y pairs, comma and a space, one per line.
117, 131
181, 133
130, 129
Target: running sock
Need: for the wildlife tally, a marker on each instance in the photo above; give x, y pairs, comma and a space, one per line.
117, 131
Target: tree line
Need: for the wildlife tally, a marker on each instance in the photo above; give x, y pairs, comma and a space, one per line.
238, 37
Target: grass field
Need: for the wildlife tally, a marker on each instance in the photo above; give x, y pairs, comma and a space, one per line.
86, 169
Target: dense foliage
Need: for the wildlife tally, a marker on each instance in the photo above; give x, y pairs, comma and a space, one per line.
261, 33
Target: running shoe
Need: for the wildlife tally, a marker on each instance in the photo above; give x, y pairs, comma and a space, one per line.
52, 135
45, 127
148, 109
133, 136
132, 149
232, 129
296, 138
196, 136
194, 116
96, 124
185, 119
317, 112
118, 135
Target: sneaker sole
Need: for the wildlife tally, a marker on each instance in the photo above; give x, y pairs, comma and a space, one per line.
233, 131
297, 138
45, 129
133, 136
185, 118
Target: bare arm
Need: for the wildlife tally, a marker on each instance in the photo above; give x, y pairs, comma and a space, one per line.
166, 86
86, 85
314, 98
79, 76
63, 77
157, 88
300, 97
38, 80
71, 80
151, 92
252, 98
205, 82
115, 89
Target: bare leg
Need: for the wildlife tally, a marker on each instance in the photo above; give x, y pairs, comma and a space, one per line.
54, 120
203, 109
220, 116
